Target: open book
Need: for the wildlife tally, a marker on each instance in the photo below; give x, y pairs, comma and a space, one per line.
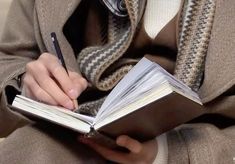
145, 103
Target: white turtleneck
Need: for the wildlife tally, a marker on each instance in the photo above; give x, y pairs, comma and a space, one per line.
158, 13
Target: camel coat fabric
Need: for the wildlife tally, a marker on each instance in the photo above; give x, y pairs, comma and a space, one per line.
27, 35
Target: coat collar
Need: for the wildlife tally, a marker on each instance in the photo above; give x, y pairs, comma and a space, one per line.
52, 16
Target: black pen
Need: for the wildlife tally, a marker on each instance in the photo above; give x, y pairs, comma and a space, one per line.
61, 58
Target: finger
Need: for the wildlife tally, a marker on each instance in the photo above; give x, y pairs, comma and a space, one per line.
33, 90
59, 73
75, 77
108, 154
49, 85
39, 72
79, 82
133, 145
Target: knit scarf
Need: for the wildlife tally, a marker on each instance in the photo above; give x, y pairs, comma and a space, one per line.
195, 26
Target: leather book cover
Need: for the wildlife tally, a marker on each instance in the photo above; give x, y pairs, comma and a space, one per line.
154, 119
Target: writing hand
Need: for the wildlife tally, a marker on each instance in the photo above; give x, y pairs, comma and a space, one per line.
140, 153
46, 80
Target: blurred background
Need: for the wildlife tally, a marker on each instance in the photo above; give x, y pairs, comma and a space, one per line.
4, 6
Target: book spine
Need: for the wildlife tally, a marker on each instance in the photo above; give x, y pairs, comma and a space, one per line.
101, 139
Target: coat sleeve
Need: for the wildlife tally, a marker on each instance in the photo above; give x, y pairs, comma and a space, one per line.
201, 143
18, 46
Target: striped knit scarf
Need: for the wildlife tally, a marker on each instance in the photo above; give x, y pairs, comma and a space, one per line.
195, 29
195, 26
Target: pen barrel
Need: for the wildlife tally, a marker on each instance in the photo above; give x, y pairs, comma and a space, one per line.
58, 50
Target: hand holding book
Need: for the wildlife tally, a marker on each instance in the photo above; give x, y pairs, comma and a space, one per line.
136, 152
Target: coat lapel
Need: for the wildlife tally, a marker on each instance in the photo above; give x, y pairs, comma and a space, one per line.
52, 16
220, 60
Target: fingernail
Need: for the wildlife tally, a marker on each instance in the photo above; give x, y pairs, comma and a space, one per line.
69, 105
73, 93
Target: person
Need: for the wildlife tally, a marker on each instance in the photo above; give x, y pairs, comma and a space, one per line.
194, 39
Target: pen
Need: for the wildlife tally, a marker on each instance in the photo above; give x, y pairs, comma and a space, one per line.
61, 58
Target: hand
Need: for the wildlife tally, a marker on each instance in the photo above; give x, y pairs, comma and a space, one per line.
46, 80
140, 153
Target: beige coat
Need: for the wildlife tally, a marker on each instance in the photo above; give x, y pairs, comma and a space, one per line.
26, 36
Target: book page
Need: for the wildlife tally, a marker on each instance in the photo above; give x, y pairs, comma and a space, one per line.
138, 84
137, 72
156, 94
54, 114
138, 91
